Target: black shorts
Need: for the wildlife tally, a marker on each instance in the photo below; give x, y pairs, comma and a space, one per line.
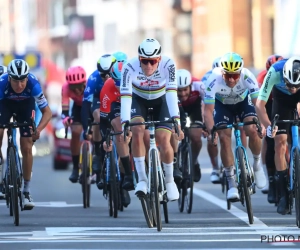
115, 110
225, 113
139, 108
194, 111
284, 105
76, 113
22, 109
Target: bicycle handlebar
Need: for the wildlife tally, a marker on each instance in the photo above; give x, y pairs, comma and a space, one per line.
276, 120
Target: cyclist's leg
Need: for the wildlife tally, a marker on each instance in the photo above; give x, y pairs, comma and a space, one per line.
97, 158
163, 136
246, 112
139, 114
6, 113
24, 113
122, 146
224, 115
76, 129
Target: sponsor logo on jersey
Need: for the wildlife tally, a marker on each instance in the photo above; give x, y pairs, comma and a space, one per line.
141, 78
124, 77
130, 66
171, 69
266, 84
149, 83
212, 83
104, 101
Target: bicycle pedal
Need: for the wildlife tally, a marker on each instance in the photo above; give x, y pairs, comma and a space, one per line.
234, 200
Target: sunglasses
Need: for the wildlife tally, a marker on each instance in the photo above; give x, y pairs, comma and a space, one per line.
77, 86
152, 61
233, 76
290, 86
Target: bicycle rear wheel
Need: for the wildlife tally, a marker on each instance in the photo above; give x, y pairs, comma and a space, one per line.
154, 187
113, 184
189, 172
14, 197
296, 161
244, 181
147, 210
85, 175
181, 186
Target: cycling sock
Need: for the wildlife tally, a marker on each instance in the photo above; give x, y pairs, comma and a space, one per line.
229, 172
75, 159
168, 167
140, 168
97, 147
216, 160
256, 165
26, 187
126, 164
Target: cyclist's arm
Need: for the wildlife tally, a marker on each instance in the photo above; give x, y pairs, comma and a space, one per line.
270, 80
171, 90
252, 84
209, 116
65, 101
126, 93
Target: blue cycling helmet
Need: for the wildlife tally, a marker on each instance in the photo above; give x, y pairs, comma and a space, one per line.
115, 72
120, 56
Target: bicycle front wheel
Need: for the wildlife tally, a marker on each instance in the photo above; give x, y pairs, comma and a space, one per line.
296, 161
189, 172
85, 175
14, 185
244, 182
181, 186
154, 188
113, 184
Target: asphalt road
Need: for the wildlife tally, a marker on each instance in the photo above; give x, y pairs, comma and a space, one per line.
60, 222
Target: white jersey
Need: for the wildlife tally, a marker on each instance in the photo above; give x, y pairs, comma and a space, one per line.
215, 87
161, 82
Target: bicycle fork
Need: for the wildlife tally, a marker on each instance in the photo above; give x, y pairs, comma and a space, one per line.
294, 145
117, 166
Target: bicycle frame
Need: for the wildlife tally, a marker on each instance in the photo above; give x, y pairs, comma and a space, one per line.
116, 161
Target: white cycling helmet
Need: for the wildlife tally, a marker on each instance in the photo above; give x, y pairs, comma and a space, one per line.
291, 70
3, 69
105, 63
216, 63
18, 69
184, 78
149, 48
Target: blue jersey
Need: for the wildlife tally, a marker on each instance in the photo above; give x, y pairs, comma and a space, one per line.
32, 89
93, 87
205, 77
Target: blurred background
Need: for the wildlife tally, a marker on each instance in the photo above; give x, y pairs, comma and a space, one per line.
52, 35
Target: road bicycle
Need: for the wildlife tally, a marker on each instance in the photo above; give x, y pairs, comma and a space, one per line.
156, 191
13, 178
293, 181
186, 165
243, 171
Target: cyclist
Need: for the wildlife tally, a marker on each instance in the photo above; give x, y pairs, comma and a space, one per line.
283, 78
73, 89
235, 88
19, 90
110, 116
190, 91
91, 104
149, 81
268, 152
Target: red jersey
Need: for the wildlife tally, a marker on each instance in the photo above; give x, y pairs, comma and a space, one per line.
260, 79
197, 89
109, 94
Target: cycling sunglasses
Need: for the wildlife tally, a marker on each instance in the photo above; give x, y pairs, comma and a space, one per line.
152, 61
77, 86
290, 86
227, 76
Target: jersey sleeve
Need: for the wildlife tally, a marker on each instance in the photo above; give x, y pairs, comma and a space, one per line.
171, 89
3, 82
39, 96
210, 89
271, 78
251, 83
200, 87
126, 93
65, 97
90, 88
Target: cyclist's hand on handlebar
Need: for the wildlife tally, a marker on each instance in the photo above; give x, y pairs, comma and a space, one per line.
35, 136
215, 142
204, 133
87, 136
181, 134
271, 133
262, 133
107, 149
67, 121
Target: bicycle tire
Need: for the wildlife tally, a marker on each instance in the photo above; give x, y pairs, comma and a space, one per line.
190, 177
166, 214
154, 160
243, 179
147, 210
113, 185
13, 181
227, 188
181, 188
296, 162
85, 174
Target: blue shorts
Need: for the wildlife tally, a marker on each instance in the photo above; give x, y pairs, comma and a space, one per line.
225, 113
23, 110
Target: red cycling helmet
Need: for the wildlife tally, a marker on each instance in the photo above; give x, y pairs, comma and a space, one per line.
273, 59
76, 75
